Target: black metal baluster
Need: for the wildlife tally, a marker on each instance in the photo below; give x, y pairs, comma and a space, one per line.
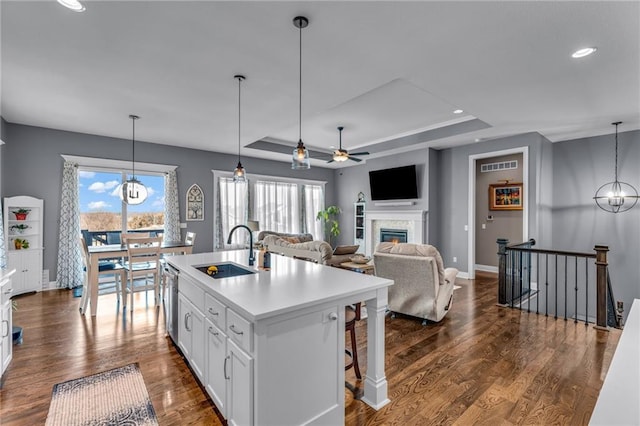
546, 283
586, 280
555, 314
537, 280
565, 287
576, 289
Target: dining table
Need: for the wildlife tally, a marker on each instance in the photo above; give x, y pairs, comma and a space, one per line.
113, 251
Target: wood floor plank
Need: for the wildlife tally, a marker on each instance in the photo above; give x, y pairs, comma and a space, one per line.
482, 364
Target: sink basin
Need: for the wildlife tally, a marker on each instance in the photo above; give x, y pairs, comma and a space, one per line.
225, 270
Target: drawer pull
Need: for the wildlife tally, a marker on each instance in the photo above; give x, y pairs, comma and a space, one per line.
212, 312
232, 327
3, 323
186, 321
215, 333
225, 368
8, 291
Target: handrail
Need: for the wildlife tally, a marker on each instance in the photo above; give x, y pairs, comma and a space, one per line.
520, 263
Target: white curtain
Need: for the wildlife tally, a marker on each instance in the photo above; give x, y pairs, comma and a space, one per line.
171, 208
313, 202
232, 209
276, 206
3, 254
69, 257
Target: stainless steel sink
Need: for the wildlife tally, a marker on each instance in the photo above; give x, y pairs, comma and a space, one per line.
225, 270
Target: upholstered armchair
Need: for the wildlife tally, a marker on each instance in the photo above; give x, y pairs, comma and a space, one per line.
422, 287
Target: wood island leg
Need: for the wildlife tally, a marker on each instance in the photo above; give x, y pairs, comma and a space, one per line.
375, 381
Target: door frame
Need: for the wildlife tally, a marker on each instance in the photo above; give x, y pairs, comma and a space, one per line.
471, 234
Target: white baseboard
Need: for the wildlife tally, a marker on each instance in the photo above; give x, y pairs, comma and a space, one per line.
487, 268
464, 275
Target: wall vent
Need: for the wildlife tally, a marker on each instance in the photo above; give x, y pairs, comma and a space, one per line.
496, 167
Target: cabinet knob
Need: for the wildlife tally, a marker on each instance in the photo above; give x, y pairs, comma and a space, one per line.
333, 316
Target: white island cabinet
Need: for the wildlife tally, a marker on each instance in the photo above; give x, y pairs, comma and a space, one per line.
6, 338
270, 350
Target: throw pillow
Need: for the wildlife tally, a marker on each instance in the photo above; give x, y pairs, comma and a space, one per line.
345, 249
292, 240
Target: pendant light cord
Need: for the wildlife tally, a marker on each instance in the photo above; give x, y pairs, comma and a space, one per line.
239, 82
616, 170
133, 149
300, 90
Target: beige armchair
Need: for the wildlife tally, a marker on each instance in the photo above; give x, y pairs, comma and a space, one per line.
422, 287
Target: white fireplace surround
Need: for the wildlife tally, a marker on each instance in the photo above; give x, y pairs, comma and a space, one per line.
414, 221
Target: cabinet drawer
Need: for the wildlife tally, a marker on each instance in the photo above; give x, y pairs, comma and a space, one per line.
215, 312
6, 291
192, 292
239, 330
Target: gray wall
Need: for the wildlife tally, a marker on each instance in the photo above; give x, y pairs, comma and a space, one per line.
351, 180
33, 166
3, 136
504, 223
453, 176
580, 167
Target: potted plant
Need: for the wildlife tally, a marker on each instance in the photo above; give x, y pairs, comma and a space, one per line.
20, 244
21, 213
331, 225
19, 229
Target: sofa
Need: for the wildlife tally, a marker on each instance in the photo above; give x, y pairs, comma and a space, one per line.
422, 287
303, 246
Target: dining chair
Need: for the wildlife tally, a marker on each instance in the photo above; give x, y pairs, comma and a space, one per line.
143, 263
105, 268
351, 315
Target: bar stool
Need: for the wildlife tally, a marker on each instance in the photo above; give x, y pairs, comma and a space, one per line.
351, 315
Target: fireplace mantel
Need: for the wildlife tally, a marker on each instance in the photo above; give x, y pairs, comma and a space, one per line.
414, 220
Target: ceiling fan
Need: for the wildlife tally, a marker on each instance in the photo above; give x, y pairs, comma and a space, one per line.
340, 154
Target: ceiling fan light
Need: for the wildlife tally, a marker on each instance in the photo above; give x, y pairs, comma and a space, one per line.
340, 156
581, 53
74, 5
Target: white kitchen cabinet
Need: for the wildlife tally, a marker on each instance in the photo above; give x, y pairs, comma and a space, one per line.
191, 337
23, 233
216, 379
239, 386
6, 324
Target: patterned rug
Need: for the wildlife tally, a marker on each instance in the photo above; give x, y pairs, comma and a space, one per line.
113, 397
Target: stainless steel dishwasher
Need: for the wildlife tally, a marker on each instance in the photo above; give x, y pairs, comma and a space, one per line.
171, 301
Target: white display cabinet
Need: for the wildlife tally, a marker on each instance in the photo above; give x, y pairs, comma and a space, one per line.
23, 234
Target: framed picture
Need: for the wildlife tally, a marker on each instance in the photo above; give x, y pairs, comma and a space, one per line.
505, 196
195, 203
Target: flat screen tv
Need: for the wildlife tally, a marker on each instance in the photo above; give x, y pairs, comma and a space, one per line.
399, 183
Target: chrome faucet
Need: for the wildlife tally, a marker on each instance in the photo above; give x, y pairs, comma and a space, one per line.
252, 257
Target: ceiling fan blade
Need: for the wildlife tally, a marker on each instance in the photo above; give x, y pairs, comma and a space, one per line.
356, 159
359, 153
331, 161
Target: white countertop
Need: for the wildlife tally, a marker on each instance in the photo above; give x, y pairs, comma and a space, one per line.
289, 285
619, 399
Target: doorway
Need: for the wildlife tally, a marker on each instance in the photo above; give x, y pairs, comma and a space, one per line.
475, 229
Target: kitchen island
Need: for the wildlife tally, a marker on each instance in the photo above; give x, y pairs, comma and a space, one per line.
268, 346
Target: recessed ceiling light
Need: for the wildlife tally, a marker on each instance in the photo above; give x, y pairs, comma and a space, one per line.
458, 111
74, 5
581, 53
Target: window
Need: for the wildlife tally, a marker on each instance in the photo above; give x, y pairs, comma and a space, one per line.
278, 204
103, 216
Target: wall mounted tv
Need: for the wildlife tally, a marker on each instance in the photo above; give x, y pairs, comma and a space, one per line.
399, 183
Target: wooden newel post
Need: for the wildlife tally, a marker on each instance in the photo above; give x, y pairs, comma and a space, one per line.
502, 270
601, 286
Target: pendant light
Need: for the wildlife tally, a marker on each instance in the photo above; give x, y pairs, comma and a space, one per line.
616, 196
300, 160
239, 172
133, 192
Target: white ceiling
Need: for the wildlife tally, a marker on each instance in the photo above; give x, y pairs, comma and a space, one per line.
383, 70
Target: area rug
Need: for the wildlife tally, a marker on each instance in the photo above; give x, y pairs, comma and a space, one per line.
113, 397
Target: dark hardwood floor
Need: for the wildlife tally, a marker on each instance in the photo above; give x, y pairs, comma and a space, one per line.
481, 365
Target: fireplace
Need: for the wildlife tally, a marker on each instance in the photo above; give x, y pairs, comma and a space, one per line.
393, 235
413, 222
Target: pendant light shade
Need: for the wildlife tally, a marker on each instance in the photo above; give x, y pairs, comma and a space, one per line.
300, 160
133, 192
239, 172
616, 196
